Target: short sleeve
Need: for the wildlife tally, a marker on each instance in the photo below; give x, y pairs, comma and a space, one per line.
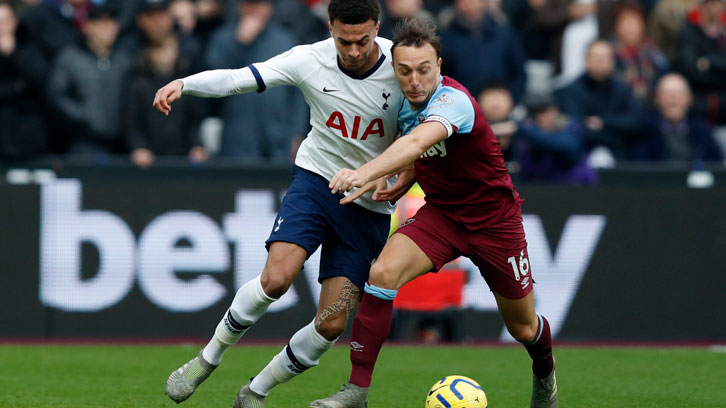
453, 109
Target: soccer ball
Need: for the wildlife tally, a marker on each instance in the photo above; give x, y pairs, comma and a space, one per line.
456, 391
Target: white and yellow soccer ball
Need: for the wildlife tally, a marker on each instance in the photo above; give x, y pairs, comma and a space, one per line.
456, 391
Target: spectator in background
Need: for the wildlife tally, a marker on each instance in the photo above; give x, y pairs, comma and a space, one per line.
603, 103
546, 26
148, 133
393, 11
477, 49
54, 25
298, 18
184, 14
21, 7
210, 17
22, 80
551, 146
269, 125
607, 11
154, 25
639, 62
673, 131
86, 86
579, 32
497, 104
665, 22
517, 13
703, 58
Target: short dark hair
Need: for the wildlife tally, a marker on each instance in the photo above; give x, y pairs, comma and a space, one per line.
354, 11
416, 32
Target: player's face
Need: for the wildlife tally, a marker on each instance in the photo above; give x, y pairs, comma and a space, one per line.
355, 44
417, 70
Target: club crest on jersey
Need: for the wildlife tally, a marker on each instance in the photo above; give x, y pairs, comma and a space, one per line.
421, 118
442, 101
385, 97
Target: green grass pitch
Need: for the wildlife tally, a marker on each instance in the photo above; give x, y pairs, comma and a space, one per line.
80, 376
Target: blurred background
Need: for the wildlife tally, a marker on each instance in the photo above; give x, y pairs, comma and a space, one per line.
120, 223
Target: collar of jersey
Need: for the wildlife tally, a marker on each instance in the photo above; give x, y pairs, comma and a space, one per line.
365, 74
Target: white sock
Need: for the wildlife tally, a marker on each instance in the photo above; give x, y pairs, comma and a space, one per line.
303, 352
249, 304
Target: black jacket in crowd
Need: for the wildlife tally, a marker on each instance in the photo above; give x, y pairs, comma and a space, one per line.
709, 85
611, 101
87, 92
148, 129
22, 105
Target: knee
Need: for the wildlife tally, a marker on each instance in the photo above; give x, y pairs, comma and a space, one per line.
332, 326
383, 276
275, 283
523, 333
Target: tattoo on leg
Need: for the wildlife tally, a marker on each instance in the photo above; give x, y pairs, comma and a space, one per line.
347, 301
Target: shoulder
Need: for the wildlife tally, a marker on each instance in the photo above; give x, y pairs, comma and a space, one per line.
385, 45
621, 88
450, 94
578, 87
323, 47
452, 103
690, 30
124, 57
699, 124
319, 52
70, 54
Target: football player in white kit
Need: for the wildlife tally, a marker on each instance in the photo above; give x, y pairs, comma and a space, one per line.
348, 82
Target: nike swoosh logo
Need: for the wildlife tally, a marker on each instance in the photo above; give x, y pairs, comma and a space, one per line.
325, 89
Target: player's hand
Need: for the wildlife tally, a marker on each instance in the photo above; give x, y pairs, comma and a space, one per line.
377, 184
406, 178
168, 94
345, 180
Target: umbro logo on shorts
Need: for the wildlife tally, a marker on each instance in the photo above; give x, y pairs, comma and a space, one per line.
408, 221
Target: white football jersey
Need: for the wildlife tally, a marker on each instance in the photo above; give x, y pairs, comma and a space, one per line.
353, 118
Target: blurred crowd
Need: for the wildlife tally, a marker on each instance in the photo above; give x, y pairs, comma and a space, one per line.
568, 86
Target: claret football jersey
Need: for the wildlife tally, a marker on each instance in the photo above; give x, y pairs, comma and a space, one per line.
463, 175
352, 117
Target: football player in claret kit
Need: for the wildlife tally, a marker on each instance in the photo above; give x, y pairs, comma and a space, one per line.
348, 83
471, 209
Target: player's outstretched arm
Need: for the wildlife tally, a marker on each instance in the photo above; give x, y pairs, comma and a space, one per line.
402, 153
167, 95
